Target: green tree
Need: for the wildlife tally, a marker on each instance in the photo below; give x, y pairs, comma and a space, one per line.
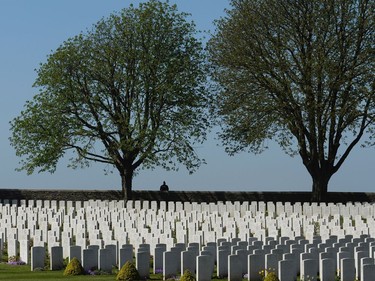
130, 92
300, 72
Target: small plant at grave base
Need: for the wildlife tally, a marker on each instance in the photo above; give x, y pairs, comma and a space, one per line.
4, 257
271, 276
158, 271
187, 276
128, 272
268, 275
47, 261
151, 261
115, 270
92, 271
74, 268
262, 273
307, 278
172, 278
65, 262
13, 260
96, 271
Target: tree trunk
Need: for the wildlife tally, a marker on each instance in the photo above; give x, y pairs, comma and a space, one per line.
127, 183
320, 187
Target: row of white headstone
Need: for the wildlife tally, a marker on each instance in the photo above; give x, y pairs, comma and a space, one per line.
240, 238
353, 258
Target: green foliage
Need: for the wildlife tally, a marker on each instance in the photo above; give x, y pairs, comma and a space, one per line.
13, 259
268, 274
128, 272
47, 260
299, 73
4, 256
74, 268
187, 276
65, 262
271, 276
128, 93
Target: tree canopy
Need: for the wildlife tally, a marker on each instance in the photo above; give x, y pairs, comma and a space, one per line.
300, 72
128, 93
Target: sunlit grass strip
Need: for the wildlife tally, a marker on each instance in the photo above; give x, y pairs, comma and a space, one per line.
24, 273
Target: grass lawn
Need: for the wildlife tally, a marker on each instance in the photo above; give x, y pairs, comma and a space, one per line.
23, 273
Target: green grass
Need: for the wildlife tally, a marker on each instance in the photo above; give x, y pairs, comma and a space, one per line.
23, 273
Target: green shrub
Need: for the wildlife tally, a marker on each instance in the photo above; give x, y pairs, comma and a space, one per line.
271, 276
128, 272
74, 268
65, 262
187, 276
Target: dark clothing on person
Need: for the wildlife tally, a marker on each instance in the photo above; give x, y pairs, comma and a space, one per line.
164, 187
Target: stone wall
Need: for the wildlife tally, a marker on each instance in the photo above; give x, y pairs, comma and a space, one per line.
180, 196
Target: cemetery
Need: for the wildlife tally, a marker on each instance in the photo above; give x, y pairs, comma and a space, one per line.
224, 239
146, 87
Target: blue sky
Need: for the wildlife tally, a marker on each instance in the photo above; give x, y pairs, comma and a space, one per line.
30, 30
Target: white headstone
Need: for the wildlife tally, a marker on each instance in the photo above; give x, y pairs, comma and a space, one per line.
170, 264
347, 269
243, 254
295, 268
357, 257
285, 274
56, 258
24, 251
222, 263
368, 272
143, 264
178, 251
234, 268
272, 262
89, 259
12, 248
125, 254
327, 270
308, 270
105, 260
341, 256
255, 265
38, 254
75, 252
188, 261
204, 268
112, 256
158, 257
